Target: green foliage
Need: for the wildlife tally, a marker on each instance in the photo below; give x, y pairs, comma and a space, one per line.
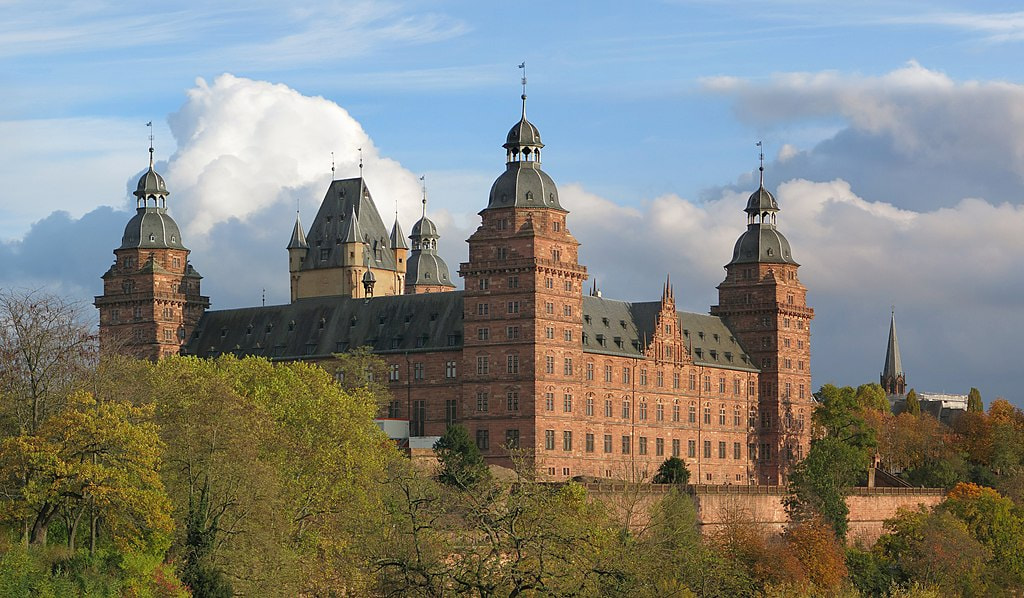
672, 471
913, 403
872, 396
974, 404
460, 463
995, 522
872, 574
819, 483
839, 415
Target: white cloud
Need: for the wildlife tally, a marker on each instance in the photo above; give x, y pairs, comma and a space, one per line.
245, 145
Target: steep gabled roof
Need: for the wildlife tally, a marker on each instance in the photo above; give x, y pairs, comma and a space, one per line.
334, 221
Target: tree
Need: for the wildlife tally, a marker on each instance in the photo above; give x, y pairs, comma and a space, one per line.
819, 483
460, 462
974, 404
913, 403
872, 396
96, 457
994, 521
672, 471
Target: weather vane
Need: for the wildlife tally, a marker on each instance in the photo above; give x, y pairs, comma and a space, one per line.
150, 125
423, 183
360, 162
760, 148
332, 165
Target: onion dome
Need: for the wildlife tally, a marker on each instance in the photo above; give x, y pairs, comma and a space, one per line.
762, 242
151, 227
523, 184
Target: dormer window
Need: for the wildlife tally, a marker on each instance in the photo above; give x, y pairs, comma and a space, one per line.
152, 237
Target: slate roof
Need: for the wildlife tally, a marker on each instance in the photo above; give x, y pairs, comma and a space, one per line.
334, 221
321, 326
621, 328
151, 228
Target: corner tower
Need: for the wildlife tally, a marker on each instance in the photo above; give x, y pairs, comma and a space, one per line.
765, 306
151, 301
523, 305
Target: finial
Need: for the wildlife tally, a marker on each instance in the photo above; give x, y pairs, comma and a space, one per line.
150, 125
360, 162
760, 148
522, 65
423, 182
332, 165
264, 297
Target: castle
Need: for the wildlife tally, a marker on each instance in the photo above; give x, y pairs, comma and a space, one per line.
523, 356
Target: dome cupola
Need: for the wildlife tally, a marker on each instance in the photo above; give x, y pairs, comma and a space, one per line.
151, 227
762, 242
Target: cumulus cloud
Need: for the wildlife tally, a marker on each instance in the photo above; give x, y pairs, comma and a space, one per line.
913, 136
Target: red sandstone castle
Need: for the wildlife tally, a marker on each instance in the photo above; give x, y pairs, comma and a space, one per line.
522, 357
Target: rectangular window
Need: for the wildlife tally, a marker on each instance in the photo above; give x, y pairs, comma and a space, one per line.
642, 445
693, 381
752, 452
659, 413
394, 409
483, 309
736, 417
736, 450
549, 440
625, 375
707, 415
567, 366
483, 333
721, 385
512, 400
567, 403
607, 407
590, 371
512, 365
607, 443
626, 445
549, 401
707, 449
549, 283
513, 282
417, 371
512, 332
607, 373
660, 379
691, 415
549, 307
642, 411
801, 391
707, 383
450, 411
483, 365
549, 364
482, 401
643, 376
736, 387
721, 415
721, 449
625, 409
751, 389
590, 406
513, 307
502, 253
675, 447
567, 335
691, 448
450, 369
590, 443
418, 419
675, 380
484, 283
566, 310
567, 440
549, 332
512, 439
675, 412
659, 447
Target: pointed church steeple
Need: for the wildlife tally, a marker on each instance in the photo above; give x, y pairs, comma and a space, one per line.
298, 240
892, 379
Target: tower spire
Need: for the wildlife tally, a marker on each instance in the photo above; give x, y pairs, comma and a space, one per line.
893, 380
423, 184
522, 65
760, 169
360, 162
150, 125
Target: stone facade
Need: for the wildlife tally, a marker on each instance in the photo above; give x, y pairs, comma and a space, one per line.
526, 359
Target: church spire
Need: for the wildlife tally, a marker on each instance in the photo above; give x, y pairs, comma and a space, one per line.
893, 380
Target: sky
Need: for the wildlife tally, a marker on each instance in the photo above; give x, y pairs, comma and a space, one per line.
893, 134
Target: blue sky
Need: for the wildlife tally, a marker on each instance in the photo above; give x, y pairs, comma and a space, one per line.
893, 134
